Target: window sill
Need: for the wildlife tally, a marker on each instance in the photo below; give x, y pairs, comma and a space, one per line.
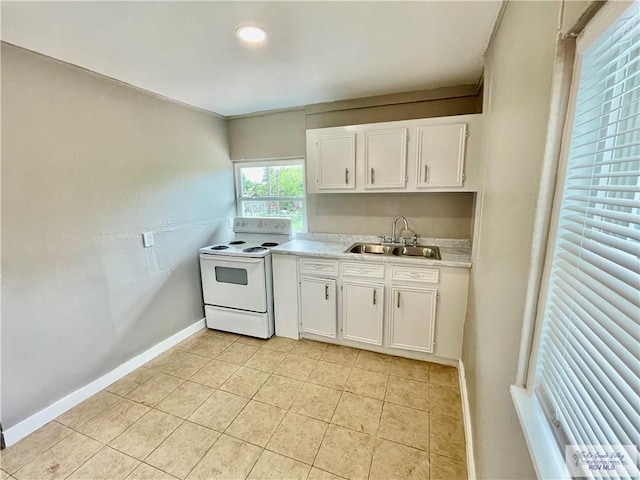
547, 459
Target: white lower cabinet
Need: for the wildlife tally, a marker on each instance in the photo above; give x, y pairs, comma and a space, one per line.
318, 306
362, 311
412, 318
399, 308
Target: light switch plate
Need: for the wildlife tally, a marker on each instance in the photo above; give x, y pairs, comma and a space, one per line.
147, 239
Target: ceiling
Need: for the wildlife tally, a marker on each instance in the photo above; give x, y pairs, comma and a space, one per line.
315, 52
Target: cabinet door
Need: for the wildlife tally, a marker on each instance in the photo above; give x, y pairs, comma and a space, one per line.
362, 311
336, 161
412, 318
385, 153
440, 155
318, 306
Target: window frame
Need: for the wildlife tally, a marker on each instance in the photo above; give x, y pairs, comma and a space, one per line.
548, 459
271, 162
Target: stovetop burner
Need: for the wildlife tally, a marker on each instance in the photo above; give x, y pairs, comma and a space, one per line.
254, 249
253, 237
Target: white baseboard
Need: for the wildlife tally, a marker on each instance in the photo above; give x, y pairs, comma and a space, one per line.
466, 416
37, 420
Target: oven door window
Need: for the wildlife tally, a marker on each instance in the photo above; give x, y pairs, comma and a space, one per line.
234, 282
235, 276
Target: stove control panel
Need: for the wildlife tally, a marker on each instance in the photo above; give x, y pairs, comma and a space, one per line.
278, 225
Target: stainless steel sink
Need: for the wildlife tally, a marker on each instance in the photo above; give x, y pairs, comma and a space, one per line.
398, 251
373, 248
426, 252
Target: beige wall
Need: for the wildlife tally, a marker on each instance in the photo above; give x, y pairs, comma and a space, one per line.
282, 134
87, 165
518, 75
442, 215
274, 135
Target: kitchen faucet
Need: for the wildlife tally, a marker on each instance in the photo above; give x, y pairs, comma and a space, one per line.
394, 236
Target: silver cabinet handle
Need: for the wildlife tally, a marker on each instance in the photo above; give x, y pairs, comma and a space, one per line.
398, 303
326, 292
346, 176
373, 176
426, 173
374, 296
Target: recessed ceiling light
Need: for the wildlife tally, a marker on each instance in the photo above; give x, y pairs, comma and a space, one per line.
251, 33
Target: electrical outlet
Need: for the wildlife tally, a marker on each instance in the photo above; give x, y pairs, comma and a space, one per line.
147, 239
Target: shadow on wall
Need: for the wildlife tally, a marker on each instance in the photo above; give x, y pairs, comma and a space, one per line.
441, 215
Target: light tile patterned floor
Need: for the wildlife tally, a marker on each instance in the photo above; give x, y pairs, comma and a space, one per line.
220, 405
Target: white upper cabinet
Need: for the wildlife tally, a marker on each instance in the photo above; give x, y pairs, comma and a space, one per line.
440, 154
336, 161
432, 154
385, 158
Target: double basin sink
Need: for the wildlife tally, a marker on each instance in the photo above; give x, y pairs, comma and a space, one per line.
432, 253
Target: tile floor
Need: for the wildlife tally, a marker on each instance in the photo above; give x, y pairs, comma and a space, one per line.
220, 405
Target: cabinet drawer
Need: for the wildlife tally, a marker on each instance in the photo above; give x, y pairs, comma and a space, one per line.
414, 274
362, 270
316, 265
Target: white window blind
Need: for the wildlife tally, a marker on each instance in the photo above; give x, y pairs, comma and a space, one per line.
587, 366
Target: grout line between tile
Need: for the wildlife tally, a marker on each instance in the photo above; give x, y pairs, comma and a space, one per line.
111, 448
44, 451
204, 454
165, 439
131, 426
87, 460
384, 399
405, 445
254, 464
322, 441
88, 420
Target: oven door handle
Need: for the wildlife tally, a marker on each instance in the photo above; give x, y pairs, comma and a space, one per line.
228, 259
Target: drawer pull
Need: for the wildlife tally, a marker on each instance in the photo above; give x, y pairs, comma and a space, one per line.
373, 176
317, 266
374, 296
398, 304
426, 174
415, 275
346, 176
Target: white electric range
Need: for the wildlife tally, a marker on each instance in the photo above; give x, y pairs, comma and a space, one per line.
237, 282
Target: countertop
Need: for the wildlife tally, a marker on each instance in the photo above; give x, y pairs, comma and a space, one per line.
454, 253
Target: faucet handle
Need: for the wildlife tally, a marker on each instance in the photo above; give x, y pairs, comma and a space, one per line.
382, 238
411, 239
